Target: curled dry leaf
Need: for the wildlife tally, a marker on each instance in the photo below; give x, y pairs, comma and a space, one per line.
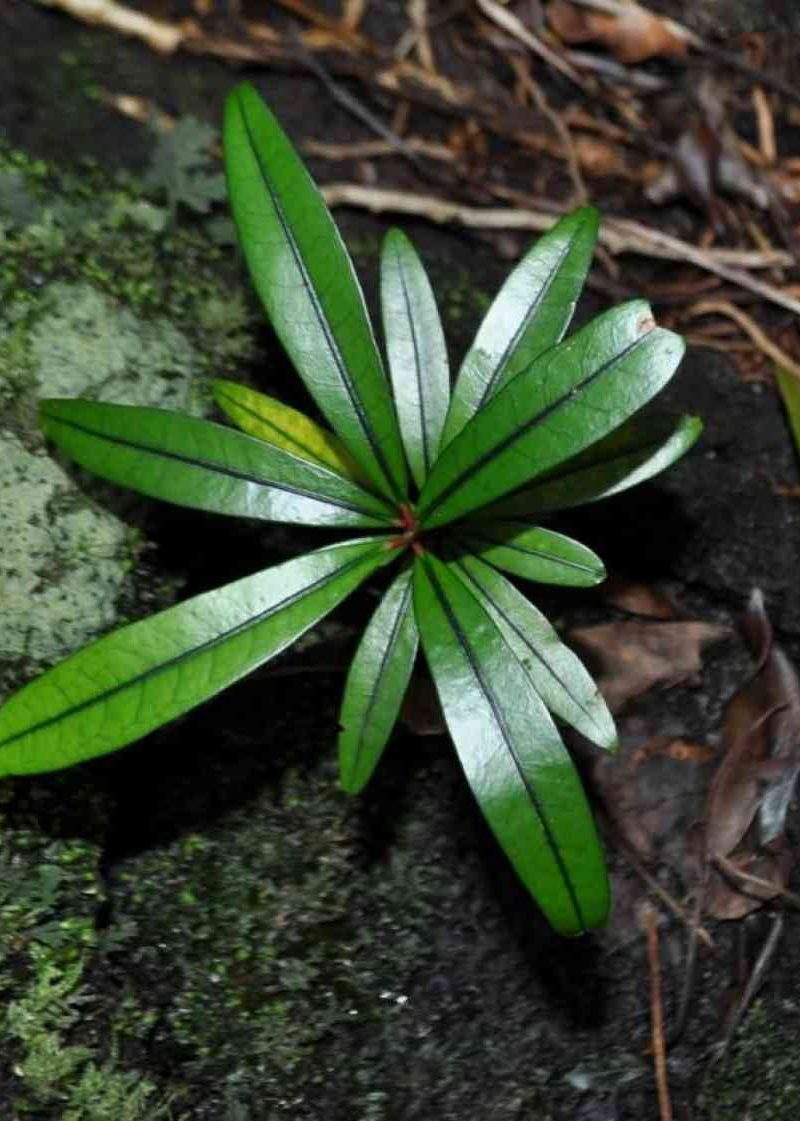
747, 881
749, 796
631, 658
632, 34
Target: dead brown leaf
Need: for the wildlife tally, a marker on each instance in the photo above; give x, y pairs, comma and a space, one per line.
747, 881
632, 34
652, 790
639, 599
632, 658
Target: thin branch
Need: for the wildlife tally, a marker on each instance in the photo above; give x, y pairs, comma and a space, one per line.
750, 328
353, 105
514, 26
161, 36
754, 983
560, 127
657, 1015
618, 235
692, 923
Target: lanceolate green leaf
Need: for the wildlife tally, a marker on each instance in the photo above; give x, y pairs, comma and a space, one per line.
513, 757
416, 350
557, 674
206, 466
640, 449
568, 398
306, 280
536, 553
268, 419
529, 315
144, 675
376, 684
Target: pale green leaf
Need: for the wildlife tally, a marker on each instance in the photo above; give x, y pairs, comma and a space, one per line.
530, 314
567, 399
376, 684
416, 350
142, 676
512, 755
276, 423
789, 385
535, 553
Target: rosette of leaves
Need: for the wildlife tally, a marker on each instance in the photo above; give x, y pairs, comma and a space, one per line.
449, 485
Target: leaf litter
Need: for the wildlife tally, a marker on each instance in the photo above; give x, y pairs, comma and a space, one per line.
694, 822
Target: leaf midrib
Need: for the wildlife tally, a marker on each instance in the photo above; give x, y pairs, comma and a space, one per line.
375, 690
474, 468
163, 667
553, 558
521, 636
426, 455
322, 321
217, 468
504, 359
476, 669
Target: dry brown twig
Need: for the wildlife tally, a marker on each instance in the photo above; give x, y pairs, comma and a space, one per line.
417, 37
352, 13
650, 923
670, 902
560, 127
159, 35
766, 127
375, 149
618, 235
514, 26
750, 328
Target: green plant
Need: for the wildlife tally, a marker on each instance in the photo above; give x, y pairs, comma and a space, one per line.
533, 425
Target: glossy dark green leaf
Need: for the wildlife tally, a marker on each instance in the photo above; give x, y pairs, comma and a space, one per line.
376, 684
513, 757
279, 424
144, 675
416, 350
557, 674
305, 278
567, 399
535, 553
529, 315
640, 449
206, 466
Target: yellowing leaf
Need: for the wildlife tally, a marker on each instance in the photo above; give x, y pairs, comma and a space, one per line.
278, 424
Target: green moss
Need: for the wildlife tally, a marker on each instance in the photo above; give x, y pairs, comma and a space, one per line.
54, 1030
462, 301
94, 301
761, 1079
